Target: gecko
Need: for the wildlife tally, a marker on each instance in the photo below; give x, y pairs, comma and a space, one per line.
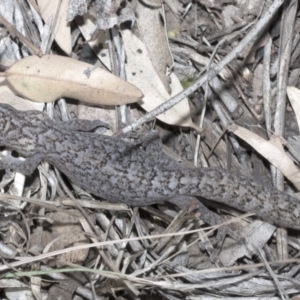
136, 174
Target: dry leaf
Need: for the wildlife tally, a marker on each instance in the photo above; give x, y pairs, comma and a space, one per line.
107, 115
257, 232
86, 27
62, 30
153, 33
153, 3
271, 150
65, 232
8, 97
141, 73
51, 77
294, 96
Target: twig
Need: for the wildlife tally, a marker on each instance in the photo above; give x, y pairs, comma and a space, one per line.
267, 85
12, 30
286, 41
212, 73
288, 23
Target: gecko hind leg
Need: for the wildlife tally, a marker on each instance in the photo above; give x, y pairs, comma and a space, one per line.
212, 246
82, 125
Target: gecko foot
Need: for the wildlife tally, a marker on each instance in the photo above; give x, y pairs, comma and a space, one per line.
25, 167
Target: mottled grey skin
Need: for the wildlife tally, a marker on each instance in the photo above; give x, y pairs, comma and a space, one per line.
136, 175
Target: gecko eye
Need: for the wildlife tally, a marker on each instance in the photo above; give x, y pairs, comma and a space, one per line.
14, 154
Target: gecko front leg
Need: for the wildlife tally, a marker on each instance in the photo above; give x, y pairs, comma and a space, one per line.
81, 125
25, 167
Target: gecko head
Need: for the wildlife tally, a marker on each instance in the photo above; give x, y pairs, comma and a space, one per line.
7, 114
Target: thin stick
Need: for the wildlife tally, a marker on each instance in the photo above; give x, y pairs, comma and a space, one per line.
254, 33
12, 30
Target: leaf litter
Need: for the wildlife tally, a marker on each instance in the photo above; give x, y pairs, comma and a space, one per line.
249, 124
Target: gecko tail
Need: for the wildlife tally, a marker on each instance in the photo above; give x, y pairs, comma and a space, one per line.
243, 193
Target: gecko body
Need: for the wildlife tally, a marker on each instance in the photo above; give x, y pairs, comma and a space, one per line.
134, 174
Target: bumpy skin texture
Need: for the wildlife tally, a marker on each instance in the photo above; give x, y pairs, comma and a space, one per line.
134, 174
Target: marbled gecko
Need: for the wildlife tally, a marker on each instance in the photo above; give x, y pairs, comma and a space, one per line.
134, 174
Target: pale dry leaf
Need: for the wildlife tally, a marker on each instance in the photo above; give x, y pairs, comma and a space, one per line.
8, 97
257, 232
65, 232
294, 97
36, 287
257, 84
153, 3
15, 289
153, 34
271, 150
51, 77
108, 115
86, 28
62, 31
141, 73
